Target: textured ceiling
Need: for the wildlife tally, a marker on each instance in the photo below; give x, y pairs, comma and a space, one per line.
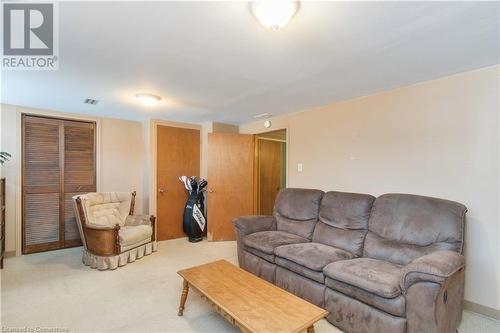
212, 61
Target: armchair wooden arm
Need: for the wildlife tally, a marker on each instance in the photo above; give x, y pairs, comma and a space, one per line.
152, 218
102, 241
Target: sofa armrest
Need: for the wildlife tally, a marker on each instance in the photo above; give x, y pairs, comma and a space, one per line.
246, 225
433, 267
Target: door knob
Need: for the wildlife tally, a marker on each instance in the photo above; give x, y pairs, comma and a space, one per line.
161, 190
211, 190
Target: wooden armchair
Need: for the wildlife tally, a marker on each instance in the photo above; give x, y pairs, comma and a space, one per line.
112, 235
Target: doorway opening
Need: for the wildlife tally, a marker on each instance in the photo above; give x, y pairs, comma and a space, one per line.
270, 154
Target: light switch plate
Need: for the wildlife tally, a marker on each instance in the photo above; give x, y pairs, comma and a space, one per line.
299, 167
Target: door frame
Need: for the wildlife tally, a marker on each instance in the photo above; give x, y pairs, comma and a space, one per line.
150, 131
284, 126
19, 151
256, 162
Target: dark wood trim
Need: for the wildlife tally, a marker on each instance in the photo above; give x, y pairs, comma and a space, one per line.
34, 115
152, 219
79, 207
117, 239
132, 203
72, 243
33, 248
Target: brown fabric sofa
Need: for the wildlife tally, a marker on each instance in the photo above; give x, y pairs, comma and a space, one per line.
387, 264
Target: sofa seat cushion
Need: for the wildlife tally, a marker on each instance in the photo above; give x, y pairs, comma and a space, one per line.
260, 254
300, 270
395, 306
376, 276
314, 256
267, 241
134, 234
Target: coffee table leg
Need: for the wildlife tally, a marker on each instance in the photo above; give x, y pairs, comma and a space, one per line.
184, 295
310, 329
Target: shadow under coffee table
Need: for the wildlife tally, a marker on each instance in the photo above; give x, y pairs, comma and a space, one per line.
248, 302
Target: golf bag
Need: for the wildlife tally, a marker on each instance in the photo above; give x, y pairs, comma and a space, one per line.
194, 221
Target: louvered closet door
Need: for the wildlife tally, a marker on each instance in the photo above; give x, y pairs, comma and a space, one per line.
58, 162
79, 172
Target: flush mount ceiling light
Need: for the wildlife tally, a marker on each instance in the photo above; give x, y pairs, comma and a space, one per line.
148, 99
262, 115
274, 14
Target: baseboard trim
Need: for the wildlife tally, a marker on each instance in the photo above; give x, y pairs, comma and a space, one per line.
481, 309
8, 254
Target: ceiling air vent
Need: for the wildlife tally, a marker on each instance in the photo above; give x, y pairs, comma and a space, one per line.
91, 101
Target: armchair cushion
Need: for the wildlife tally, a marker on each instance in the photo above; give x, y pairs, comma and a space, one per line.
132, 220
434, 267
376, 276
130, 235
105, 215
106, 208
250, 224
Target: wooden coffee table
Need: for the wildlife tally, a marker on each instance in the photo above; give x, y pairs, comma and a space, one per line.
248, 302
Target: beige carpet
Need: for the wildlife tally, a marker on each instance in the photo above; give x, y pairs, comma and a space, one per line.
54, 289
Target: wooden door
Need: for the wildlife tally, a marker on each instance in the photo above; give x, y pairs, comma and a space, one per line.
57, 163
230, 182
79, 172
177, 154
270, 169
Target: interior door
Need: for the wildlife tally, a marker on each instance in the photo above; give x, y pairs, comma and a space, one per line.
79, 172
230, 182
177, 154
270, 169
42, 181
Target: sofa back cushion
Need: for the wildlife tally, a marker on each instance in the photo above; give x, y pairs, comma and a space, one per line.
403, 227
296, 211
343, 220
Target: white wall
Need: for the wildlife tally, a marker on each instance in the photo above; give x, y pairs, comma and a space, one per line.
438, 138
122, 157
120, 167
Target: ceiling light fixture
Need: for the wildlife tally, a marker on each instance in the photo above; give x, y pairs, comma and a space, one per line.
262, 115
148, 99
274, 14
